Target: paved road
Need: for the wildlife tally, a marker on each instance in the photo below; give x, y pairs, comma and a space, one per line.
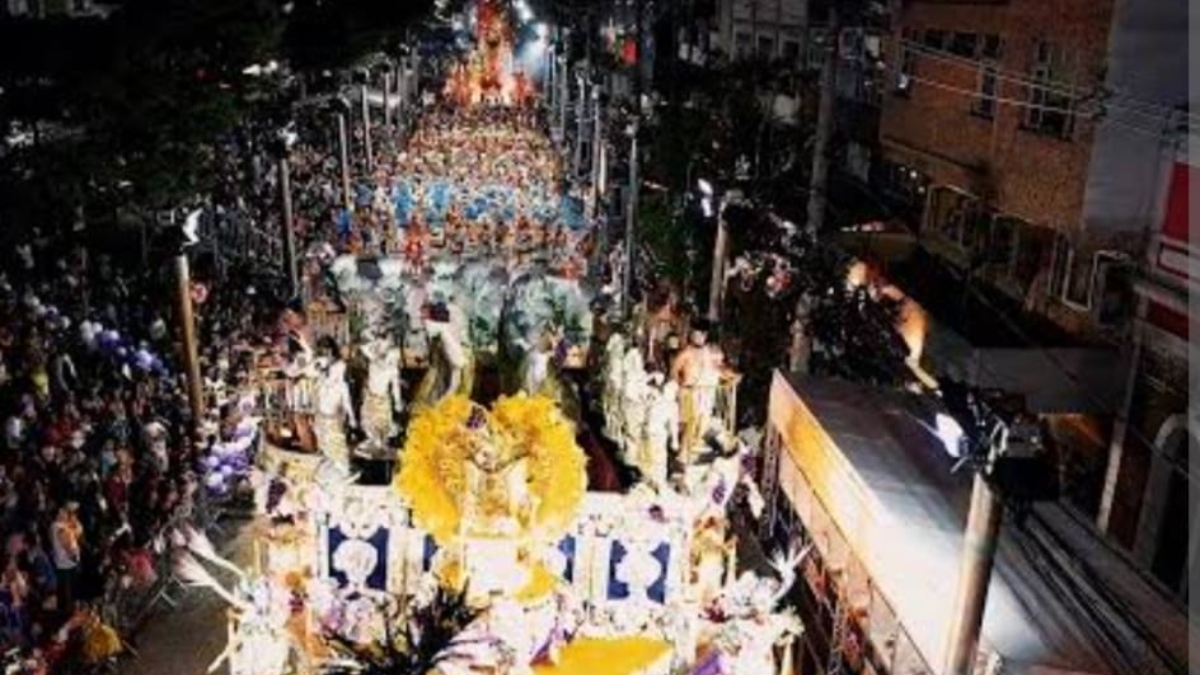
185, 640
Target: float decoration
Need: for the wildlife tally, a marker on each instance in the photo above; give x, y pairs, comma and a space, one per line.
514, 472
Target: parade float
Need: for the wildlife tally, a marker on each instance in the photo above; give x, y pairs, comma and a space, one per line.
488, 552
489, 520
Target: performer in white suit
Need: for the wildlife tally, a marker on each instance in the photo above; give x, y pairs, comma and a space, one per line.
383, 397
334, 409
661, 431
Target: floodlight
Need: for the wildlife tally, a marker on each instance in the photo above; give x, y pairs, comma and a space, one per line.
191, 227
950, 433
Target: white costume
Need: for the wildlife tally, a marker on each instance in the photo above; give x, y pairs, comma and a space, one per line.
614, 376
635, 394
334, 410
383, 396
661, 431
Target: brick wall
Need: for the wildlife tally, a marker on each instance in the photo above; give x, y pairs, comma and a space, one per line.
1036, 177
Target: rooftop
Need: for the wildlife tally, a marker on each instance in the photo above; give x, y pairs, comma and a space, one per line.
888, 486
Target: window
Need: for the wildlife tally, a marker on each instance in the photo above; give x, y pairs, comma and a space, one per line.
1050, 110
742, 45
976, 230
990, 48
1002, 245
1033, 245
766, 47
791, 51
963, 44
953, 215
935, 39
985, 103
1115, 297
816, 49
850, 44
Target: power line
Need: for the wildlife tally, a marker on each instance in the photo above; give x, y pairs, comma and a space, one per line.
1149, 109
998, 100
1159, 133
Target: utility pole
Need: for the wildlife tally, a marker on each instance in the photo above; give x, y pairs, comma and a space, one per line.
634, 180
819, 182
639, 19
979, 556
581, 111
597, 152
187, 330
366, 120
717, 283
387, 99
344, 150
552, 81
564, 98
289, 234
631, 223
401, 91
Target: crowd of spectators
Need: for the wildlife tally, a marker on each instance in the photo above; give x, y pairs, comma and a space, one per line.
99, 449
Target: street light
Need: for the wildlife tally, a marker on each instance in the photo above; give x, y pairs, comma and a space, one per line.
631, 220
716, 288
341, 107
369, 155
285, 139
188, 237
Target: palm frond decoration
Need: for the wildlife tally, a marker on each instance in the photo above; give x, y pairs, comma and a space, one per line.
417, 648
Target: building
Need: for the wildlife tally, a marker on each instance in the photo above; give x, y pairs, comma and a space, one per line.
1146, 506
982, 91
42, 9
767, 29
852, 470
1038, 145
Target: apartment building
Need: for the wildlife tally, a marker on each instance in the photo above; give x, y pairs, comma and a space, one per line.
1042, 143
767, 29
1147, 502
41, 9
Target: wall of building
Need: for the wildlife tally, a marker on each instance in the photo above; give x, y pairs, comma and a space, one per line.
1147, 70
773, 29
1146, 507
940, 126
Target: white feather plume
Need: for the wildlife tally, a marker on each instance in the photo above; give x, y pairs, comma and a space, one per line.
189, 571
786, 564
200, 544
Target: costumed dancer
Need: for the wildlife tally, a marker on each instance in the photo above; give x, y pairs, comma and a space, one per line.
334, 409
697, 371
451, 364
383, 398
661, 432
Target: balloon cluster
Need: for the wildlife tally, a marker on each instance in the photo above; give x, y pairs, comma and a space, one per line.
230, 462
121, 350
